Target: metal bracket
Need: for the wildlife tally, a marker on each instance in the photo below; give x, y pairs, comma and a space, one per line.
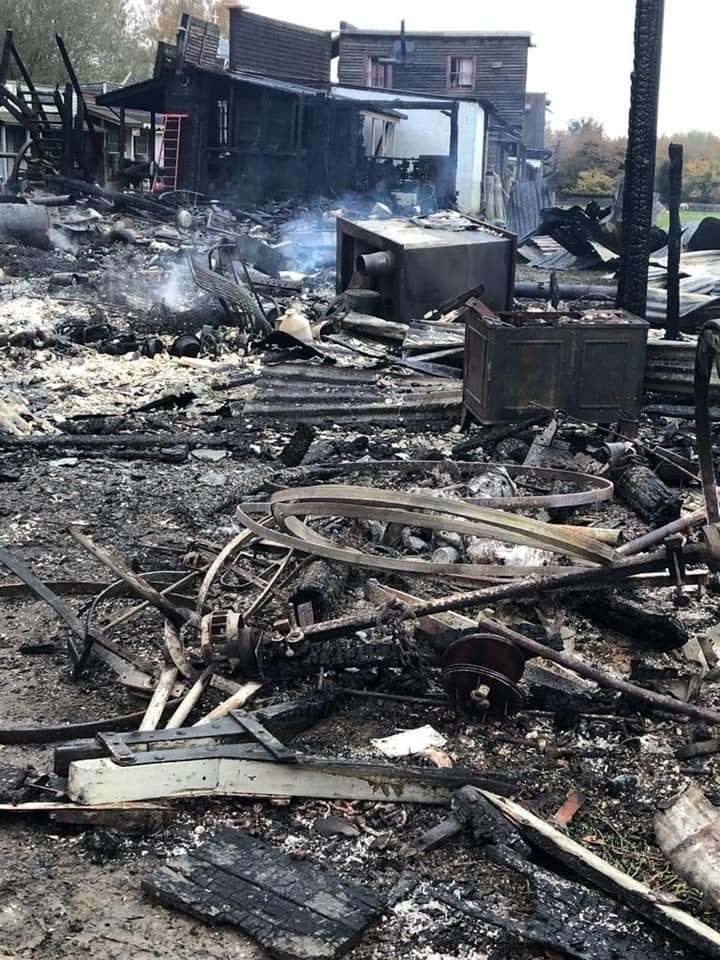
262, 735
119, 751
676, 564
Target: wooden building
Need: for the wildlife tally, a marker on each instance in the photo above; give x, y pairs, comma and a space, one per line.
270, 124
248, 134
490, 66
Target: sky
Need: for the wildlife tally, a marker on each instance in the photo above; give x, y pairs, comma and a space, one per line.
582, 54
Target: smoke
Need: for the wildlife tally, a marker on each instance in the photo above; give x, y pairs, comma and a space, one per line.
178, 289
169, 284
61, 241
312, 241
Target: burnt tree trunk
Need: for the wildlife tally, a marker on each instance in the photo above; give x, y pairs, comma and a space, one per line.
638, 487
322, 585
640, 620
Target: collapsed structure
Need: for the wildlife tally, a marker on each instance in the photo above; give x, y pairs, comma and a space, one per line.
308, 458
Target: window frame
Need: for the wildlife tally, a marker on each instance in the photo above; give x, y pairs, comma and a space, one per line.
458, 88
374, 60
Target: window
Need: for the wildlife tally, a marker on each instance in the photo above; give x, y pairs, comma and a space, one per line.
379, 73
222, 123
142, 145
113, 141
461, 73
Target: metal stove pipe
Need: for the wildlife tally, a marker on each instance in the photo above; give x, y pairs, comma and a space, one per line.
380, 264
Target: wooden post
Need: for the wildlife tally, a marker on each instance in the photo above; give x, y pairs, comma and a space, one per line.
640, 159
153, 135
672, 322
300, 123
453, 158
68, 132
123, 131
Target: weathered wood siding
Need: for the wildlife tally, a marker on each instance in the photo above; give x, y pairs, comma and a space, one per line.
425, 69
535, 121
276, 49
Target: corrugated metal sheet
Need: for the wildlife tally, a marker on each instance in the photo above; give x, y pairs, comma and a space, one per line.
695, 308
564, 260
708, 285
270, 83
313, 394
527, 199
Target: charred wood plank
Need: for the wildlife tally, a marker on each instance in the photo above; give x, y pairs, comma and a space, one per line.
298, 445
283, 720
593, 869
570, 918
293, 909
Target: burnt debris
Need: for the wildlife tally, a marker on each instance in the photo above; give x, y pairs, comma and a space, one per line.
364, 596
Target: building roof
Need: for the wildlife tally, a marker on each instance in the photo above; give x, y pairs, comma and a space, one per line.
149, 94
133, 118
285, 23
349, 90
145, 95
270, 83
346, 30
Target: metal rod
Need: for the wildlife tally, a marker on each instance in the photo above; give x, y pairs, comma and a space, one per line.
648, 697
379, 695
133, 580
260, 600
130, 614
654, 537
518, 589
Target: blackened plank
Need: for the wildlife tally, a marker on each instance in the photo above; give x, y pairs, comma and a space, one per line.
292, 908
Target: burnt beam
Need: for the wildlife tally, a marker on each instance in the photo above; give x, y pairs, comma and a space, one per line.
640, 159
672, 323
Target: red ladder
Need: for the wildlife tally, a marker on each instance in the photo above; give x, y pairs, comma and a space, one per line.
167, 175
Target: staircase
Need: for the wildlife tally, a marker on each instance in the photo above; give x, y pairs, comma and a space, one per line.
48, 138
167, 175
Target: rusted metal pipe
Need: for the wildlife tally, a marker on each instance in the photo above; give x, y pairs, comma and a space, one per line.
654, 537
519, 589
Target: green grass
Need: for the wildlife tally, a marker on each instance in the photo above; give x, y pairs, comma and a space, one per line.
686, 216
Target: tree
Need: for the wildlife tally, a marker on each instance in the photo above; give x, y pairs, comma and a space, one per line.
595, 181
584, 148
99, 34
